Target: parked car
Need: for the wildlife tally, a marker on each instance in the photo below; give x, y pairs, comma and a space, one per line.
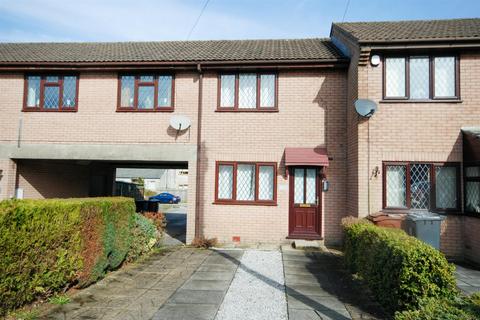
165, 197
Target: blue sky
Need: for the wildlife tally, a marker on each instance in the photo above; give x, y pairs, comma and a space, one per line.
122, 20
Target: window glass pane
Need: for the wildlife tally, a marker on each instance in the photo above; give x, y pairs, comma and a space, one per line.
69, 91
311, 183
472, 196
472, 172
246, 182
51, 79
299, 190
146, 97
420, 186
227, 90
51, 96
128, 89
446, 187
267, 90
165, 91
146, 78
247, 96
396, 186
444, 77
265, 182
419, 78
33, 91
395, 77
225, 181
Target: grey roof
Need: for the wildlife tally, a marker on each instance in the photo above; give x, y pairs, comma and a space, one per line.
170, 51
413, 30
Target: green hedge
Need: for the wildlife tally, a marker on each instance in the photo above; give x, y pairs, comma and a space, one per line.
400, 270
47, 245
465, 308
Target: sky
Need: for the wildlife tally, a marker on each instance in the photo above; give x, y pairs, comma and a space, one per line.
156, 20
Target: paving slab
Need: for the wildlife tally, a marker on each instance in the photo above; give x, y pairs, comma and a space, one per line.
302, 314
468, 278
186, 312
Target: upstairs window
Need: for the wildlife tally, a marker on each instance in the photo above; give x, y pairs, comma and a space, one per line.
245, 183
146, 92
51, 93
247, 92
421, 78
422, 186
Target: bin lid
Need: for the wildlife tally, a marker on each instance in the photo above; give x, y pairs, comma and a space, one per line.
424, 215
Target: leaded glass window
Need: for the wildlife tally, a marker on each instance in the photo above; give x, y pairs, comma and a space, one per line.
51, 92
33, 91
472, 189
245, 182
395, 77
146, 92
396, 187
299, 186
419, 78
446, 187
247, 87
248, 91
444, 76
227, 90
225, 181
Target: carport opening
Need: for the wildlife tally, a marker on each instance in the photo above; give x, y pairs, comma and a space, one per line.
157, 189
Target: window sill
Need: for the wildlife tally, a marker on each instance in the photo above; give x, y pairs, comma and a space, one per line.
247, 110
421, 101
407, 211
245, 203
52, 110
146, 110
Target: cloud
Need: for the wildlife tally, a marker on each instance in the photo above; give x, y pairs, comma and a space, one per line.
89, 20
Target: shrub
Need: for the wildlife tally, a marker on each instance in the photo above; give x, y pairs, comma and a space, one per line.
48, 245
465, 308
157, 218
400, 270
202, 242
145, 235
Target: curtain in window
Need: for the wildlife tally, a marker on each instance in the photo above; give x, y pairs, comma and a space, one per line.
247, 96
419, 78
225, 181
127, 92
396, 181
246, 182
267, 90
444, 76
69, 91
446, 187
395, 77
227, 91
299, 187
265, 183
33, 95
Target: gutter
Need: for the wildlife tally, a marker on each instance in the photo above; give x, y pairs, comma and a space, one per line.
199, 150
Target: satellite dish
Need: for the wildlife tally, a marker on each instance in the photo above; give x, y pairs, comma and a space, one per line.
179, 122
365, 107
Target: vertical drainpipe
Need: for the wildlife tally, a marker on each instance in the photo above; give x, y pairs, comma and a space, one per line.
199, 144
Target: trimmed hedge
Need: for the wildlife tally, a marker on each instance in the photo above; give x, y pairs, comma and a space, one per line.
465, 308
48, 245
400, 270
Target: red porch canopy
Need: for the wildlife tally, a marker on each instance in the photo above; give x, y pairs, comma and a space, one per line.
306, 157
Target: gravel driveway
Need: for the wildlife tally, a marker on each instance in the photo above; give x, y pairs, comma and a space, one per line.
257, 290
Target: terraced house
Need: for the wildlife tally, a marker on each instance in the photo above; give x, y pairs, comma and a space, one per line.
275, 150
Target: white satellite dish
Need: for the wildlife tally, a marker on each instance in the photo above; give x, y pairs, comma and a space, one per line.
179, 122
365, 107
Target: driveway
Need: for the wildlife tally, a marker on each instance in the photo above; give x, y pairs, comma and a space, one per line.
192, 283
176, 216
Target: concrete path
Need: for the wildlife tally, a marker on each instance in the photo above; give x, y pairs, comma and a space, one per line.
468, 279
202, 294
136, 291
317, 289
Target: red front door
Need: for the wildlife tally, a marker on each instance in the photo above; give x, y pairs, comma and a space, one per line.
305, 203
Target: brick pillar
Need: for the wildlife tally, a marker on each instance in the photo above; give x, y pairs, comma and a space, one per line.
8, 179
